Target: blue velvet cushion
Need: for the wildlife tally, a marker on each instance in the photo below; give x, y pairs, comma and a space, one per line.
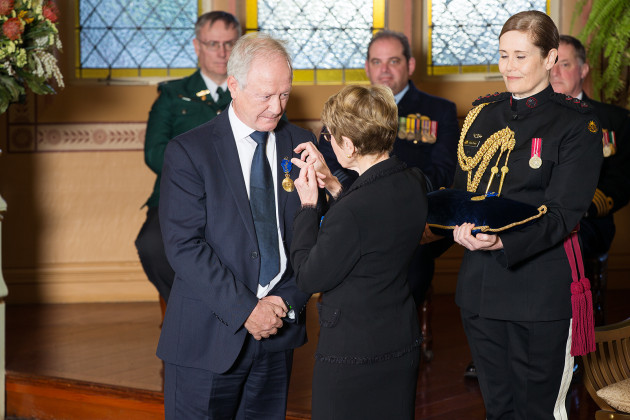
490, 214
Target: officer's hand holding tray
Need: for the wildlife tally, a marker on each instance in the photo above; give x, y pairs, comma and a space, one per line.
489, 212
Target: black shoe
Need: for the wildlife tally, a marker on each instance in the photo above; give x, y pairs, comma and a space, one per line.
471, 371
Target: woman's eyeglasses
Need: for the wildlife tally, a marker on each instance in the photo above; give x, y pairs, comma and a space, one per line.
327, 136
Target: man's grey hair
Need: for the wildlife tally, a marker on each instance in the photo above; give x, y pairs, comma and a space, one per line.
252, 46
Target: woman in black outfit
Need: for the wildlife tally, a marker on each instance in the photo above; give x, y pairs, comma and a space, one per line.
368, 353
515, 288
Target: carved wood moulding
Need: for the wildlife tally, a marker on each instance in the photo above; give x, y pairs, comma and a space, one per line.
75, 137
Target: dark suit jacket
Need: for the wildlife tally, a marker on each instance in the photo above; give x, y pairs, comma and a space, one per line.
177, 110
437, 161
530, 278
210, 242
359, 260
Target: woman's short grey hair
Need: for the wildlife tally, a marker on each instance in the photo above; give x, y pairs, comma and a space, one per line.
252, 46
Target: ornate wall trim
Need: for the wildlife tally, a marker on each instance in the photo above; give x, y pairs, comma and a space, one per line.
75, 137
26, 135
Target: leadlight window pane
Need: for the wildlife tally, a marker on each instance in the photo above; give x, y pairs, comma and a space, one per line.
464, 34
322, 34
136, 35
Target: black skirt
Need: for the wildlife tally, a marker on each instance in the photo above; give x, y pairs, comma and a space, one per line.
383, 390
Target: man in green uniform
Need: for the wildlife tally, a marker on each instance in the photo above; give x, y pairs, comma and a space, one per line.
181, 106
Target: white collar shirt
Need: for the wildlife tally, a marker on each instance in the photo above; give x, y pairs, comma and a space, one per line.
246, 147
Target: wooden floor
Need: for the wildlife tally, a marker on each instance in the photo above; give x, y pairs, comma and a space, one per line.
113, 346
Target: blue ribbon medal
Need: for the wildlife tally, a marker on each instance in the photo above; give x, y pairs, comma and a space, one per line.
287, 182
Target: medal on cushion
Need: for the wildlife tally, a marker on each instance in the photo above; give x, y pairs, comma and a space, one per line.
287, 182
535, 161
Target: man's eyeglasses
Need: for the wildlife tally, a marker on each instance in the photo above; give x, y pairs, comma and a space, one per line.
215, 45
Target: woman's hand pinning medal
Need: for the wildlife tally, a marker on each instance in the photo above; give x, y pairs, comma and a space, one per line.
314, 174
307, 185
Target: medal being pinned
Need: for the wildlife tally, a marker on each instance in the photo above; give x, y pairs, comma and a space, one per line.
287, 182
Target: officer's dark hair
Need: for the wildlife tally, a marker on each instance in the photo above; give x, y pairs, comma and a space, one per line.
386, 33
541, 29
580, 51
211, 17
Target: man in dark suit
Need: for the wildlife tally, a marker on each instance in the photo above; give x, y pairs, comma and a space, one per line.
235, 313
433, 150
184, 104
597, 228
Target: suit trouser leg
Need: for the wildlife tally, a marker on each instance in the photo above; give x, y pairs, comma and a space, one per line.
150, 248
255, 388
524, 368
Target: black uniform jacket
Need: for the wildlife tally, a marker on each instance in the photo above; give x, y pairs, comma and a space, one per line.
529, 280
614, 181
359, 259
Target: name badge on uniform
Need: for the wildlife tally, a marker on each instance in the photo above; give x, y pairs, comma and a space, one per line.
471, 143
535, 160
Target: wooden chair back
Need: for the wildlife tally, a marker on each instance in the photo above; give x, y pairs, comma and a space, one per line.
609, 363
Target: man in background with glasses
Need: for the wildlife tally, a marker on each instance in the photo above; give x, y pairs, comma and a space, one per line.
181, 106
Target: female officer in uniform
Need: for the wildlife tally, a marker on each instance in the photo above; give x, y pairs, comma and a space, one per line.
514, 288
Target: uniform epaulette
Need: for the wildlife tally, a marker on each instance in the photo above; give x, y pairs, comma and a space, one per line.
492, 97
571, 102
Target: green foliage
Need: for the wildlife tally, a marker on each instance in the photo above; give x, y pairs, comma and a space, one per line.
606, 36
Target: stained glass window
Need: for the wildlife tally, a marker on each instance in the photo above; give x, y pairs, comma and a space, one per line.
464, 34
135, 38
327, 38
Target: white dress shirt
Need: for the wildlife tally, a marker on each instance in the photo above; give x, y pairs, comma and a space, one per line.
246, 147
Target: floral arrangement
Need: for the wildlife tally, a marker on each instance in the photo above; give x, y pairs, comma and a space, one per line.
28, 40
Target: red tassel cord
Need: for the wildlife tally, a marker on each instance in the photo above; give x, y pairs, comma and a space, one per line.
583, 326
